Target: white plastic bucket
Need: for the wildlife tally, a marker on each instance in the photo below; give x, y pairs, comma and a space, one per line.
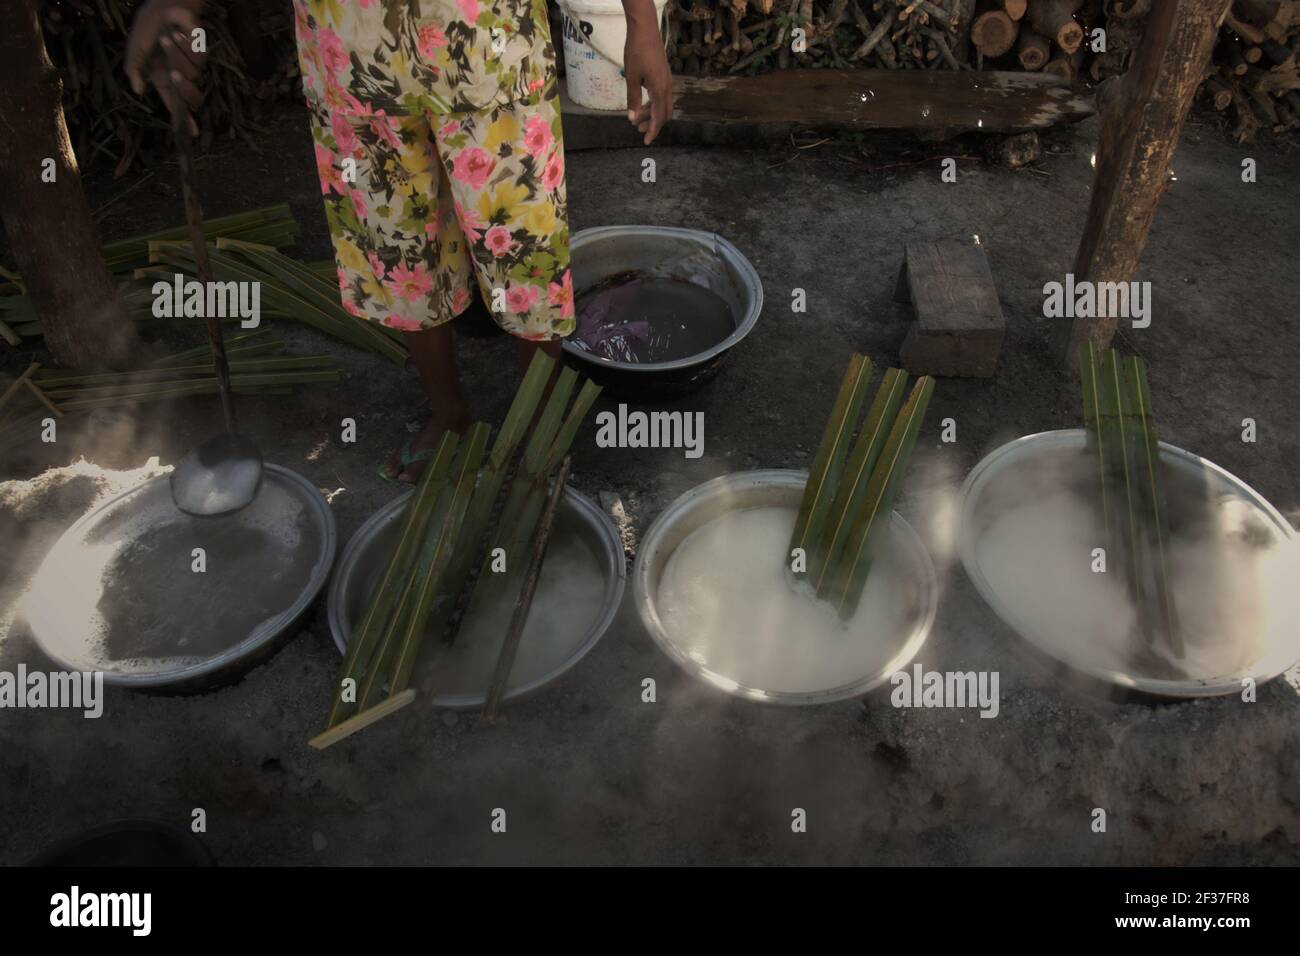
594, 34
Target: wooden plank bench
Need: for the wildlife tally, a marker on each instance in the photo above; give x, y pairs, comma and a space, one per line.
742, 109
941, 101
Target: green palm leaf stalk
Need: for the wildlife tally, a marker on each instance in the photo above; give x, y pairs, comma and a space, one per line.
1148, 468
434, 567
373, 624
1120, 426
819, 491
395, 652
871, 524
526, 498
848, 499
442, 536
1117, 437
862, 462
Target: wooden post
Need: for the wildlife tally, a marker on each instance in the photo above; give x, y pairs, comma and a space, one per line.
46, 218
1141, 118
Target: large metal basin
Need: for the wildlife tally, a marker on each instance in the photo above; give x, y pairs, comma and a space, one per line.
784, 488
461, 686
668, 252
1188, 479
127, 571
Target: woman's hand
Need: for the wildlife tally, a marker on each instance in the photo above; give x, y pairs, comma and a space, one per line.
161, 45
646, 64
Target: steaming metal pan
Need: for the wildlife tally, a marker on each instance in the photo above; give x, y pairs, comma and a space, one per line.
119, 592
461, 679
768, 488
1215, 480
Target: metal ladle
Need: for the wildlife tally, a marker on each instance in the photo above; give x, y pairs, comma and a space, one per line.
225, 472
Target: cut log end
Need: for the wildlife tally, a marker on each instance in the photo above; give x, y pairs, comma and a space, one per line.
993, 33
1218, 93
1069, 37
1055, 19
1015, 9
1066, 67
1033, 50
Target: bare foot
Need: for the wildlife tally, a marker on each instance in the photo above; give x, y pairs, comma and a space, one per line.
428, 437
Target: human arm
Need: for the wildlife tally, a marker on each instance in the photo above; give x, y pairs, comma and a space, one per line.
645, 64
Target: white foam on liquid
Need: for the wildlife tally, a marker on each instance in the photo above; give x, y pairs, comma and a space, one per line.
1236, 604
728, 603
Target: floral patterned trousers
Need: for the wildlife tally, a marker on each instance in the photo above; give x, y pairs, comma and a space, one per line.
417, 204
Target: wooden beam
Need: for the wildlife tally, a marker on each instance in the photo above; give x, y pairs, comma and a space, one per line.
1142, 114
947, 100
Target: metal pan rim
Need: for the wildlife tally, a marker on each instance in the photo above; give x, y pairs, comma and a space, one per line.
265, 633
611, 557
1179, 689
642, 588
749, 279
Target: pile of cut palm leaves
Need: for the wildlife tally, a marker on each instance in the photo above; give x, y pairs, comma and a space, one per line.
288, 287
448, 534
271, 225
845, 513
1121, 436
244, 247
255, 367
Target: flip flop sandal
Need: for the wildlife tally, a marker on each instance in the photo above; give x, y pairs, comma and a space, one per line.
405, 459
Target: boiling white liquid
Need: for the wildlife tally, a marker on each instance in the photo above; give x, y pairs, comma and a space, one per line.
1236, 604
728, 604
567, 604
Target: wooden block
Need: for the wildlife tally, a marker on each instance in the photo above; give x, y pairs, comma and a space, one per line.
959, 327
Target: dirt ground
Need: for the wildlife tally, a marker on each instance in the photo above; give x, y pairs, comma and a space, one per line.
587, 772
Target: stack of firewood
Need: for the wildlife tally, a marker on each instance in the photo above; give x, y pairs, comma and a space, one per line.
710, 37
1045, 35
1254, 70
734, 36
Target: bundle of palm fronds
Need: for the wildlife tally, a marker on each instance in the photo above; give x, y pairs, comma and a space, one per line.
288, 287
270, 225
847, 504
255, 368
1122, 440
86, 40
245, 248
448, 533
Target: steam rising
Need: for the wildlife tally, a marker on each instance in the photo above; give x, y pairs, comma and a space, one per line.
1233, 574
566, 605
728, 604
